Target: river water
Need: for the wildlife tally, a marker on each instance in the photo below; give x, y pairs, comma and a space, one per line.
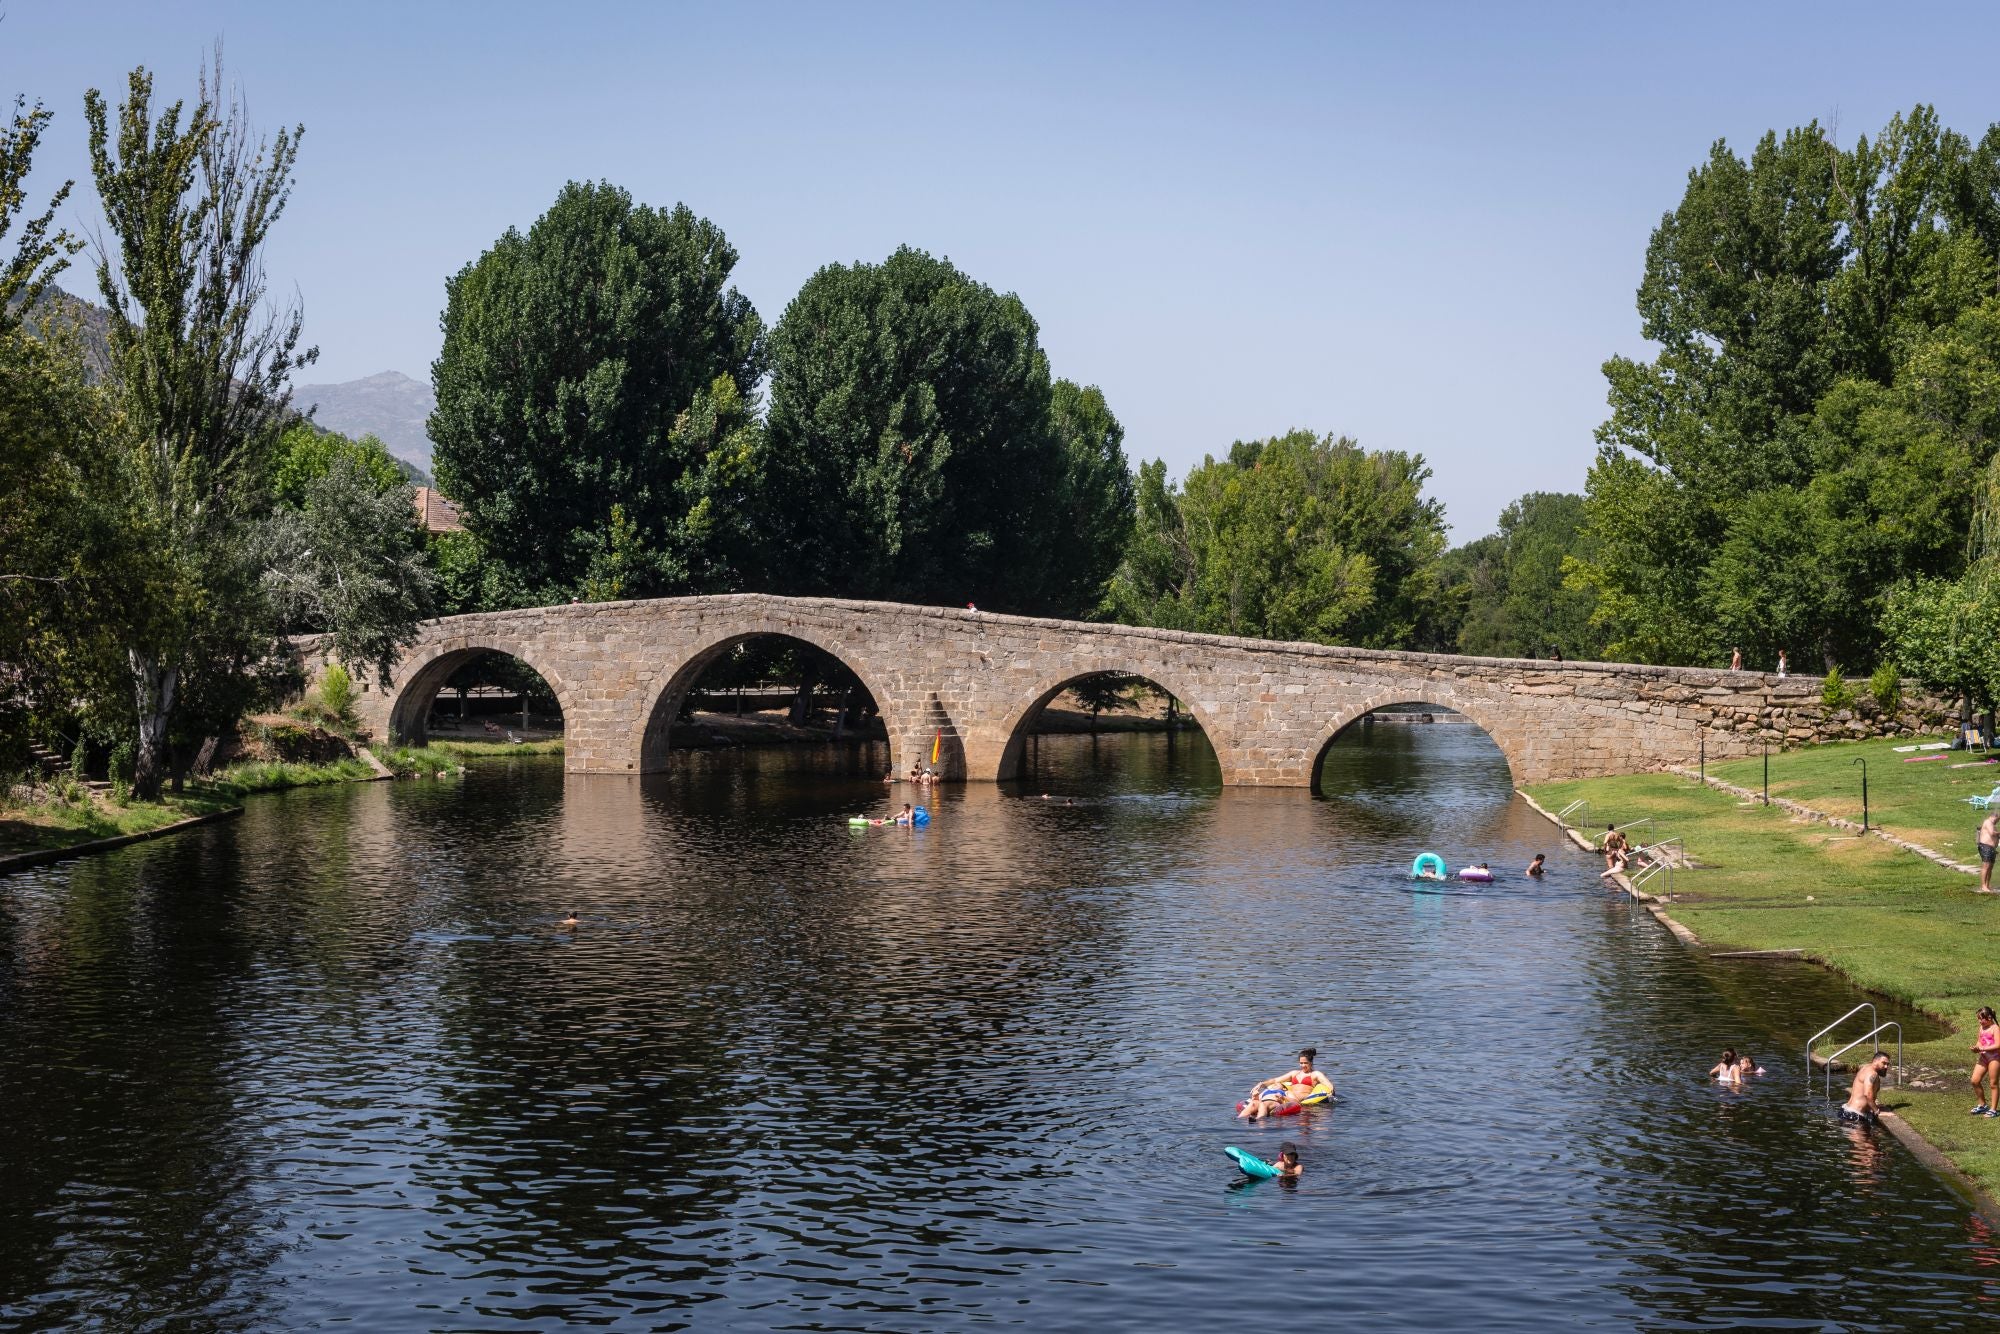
338, 1063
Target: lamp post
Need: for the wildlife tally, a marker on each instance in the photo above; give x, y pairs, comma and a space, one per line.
1704, 758
1864, 794
1767, 771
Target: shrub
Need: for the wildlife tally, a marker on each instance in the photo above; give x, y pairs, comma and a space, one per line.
336, 693
1887, 687
1835, 693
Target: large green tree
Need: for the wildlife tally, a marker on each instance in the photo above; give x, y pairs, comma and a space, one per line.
1752, 476
201, 374
1297, 537
342, 552
918, 450
45, 412
1515, 599
571, 352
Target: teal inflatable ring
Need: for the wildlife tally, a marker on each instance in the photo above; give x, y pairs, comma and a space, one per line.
1427, 866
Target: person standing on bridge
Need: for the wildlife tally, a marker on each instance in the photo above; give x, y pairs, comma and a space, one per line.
1736, 660
1781, 664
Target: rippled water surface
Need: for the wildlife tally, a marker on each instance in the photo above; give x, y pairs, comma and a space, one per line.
338, 1063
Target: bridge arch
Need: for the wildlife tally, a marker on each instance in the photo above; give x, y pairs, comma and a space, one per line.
1510, 742
994, 754
424, 673
662, 704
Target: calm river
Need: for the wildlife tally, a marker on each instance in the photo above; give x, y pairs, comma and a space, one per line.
337, 1064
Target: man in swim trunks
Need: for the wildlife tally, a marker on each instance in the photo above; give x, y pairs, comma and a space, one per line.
1614, 850
1860, 1107
1535, 866
1989, 837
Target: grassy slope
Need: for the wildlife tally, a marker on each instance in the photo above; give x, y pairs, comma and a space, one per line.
1891, 921
1923, 802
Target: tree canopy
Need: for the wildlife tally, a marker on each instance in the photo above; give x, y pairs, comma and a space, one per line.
1807, 433
1296, 537
571, 355
918, 450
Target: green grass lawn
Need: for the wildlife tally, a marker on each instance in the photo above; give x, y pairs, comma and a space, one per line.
488, 750
1894, 923
41, 825
1923, 802
32, 828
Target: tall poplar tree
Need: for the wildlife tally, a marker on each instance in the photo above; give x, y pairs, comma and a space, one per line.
202, 376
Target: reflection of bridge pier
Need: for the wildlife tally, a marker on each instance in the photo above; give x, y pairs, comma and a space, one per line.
971, 684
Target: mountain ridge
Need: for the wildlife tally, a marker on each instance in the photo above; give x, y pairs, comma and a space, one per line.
389, 405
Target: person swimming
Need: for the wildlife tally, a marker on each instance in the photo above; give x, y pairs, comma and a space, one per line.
571, 921
1728, 1070
1535, 866
1287, 1163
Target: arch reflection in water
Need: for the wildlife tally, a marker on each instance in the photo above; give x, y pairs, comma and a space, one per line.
337, 1060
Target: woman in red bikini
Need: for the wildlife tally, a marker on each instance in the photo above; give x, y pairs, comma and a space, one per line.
1272, 1097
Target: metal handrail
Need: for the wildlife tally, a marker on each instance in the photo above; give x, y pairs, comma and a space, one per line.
1874, 1032
1635, 824
1580, 804
1813, 1041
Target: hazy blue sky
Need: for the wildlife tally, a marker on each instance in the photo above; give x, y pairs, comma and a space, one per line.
1418, 225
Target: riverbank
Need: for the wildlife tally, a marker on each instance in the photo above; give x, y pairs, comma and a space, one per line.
65, 817
1765, 879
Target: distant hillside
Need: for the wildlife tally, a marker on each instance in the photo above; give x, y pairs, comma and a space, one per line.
391, 407
91, 321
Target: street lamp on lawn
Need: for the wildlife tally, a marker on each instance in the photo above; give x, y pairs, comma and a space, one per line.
1864, 794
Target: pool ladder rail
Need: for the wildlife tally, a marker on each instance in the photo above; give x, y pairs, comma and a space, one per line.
1877, 1027
1658, 857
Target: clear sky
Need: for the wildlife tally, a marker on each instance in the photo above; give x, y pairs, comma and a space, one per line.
1420, 225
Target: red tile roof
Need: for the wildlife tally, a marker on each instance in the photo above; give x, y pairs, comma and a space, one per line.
435, 513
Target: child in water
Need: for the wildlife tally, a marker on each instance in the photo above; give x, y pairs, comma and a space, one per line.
1288, 1164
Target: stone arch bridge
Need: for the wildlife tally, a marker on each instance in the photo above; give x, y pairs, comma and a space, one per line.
620, 671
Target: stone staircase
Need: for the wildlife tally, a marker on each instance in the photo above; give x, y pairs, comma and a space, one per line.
49, 763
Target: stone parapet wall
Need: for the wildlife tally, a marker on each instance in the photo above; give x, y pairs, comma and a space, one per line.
621, 669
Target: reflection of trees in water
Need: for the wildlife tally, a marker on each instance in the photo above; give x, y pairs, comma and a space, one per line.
129, 1189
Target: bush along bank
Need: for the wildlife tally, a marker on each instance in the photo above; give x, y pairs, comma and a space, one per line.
1896, 924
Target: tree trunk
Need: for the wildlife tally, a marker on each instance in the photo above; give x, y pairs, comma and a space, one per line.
153, 688
802, 702
840, 719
